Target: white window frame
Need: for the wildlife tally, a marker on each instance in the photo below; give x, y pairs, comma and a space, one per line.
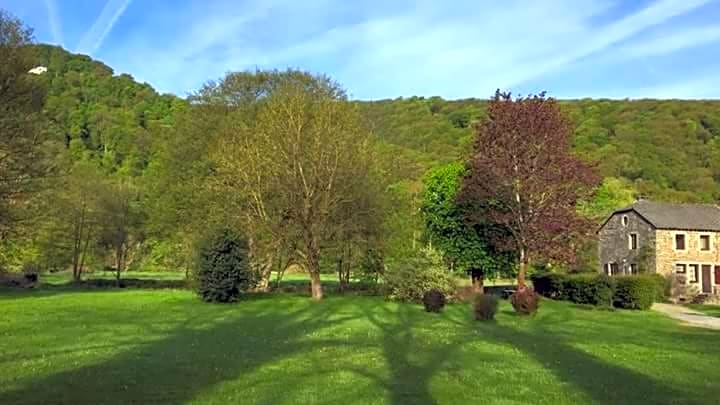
625, 220
710, 242
637, 241
634, 269
674, 241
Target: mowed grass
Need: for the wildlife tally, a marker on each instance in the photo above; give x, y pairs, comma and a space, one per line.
165, 346
712, 310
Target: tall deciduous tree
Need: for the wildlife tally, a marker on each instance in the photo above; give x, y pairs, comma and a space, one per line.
69, 225
21, 133
122, 223
296, 166
523, 175
467, 247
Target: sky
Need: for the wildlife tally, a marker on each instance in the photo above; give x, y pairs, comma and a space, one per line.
379, 49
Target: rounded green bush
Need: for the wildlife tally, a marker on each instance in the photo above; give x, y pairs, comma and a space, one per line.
635, 292
223, 269
408, 280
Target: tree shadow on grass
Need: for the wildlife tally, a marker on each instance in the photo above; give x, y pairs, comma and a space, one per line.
411, 366
193, 358
601, 381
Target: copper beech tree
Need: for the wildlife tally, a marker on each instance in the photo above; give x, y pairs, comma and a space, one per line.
523, 177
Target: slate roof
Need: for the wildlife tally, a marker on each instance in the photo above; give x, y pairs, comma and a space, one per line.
690, 217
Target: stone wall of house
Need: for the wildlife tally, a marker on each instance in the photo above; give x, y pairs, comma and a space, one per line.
614, 247
668, 256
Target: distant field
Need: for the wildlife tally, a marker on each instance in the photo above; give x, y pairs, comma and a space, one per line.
66, 276
139, 346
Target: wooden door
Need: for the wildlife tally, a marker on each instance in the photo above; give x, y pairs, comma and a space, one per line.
706, 279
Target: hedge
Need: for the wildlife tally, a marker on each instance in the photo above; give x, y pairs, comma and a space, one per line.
631, 292
590, 289
635, 292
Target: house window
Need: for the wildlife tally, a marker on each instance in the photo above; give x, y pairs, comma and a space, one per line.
705, 242
632, 241
625, 220
717, 275
612, 269
633, 268
693, 273
679, 241
680, 268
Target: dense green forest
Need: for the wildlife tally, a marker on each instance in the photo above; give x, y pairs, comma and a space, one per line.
119, 146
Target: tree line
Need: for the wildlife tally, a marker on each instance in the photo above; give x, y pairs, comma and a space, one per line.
99, 171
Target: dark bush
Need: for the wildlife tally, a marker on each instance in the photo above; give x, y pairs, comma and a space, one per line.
434, 300
589, 289
485, 307
223, 269
525, 301
635, 292
549, 285
592, 289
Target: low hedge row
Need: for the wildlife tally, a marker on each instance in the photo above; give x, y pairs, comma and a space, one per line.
631, 292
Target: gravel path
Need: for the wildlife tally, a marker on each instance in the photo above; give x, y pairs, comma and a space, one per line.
688, 316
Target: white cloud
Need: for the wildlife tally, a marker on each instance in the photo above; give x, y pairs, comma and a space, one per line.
93, 38
669, 42
54, 21
465, 50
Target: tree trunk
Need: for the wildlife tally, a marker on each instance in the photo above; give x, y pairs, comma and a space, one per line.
83, 252
265, 274
313, 265
315, 285
523, 268
118, 264
478, 281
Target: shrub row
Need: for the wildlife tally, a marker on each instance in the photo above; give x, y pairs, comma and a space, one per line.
631, 292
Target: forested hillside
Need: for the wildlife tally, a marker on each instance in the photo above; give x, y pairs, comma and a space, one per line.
128, 149
98, 115
663, 149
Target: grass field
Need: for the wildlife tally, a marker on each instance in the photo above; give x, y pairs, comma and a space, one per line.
138, 346
712, 310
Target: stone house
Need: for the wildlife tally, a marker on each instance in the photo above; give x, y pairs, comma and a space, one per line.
663, 238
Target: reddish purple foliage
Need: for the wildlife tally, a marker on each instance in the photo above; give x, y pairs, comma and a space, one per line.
523, 177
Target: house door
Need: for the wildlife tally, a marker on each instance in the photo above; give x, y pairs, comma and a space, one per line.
706, 279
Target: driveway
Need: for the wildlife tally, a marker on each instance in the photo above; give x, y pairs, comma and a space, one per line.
688, 316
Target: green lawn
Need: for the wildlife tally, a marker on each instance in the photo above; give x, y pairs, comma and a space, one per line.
139, 346
712, 310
